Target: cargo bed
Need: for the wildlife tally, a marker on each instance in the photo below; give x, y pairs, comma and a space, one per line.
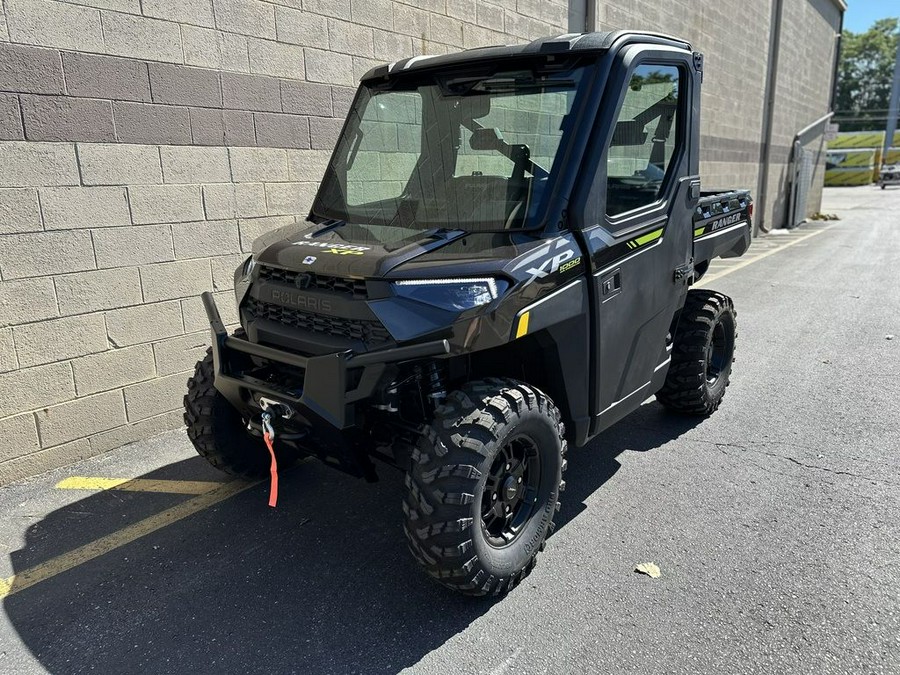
722, 226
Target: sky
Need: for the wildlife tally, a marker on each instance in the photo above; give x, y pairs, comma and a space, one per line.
861, 14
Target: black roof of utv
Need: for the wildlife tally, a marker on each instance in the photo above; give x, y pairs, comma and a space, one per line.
568, 43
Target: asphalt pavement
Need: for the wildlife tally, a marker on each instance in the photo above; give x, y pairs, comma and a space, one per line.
774, 522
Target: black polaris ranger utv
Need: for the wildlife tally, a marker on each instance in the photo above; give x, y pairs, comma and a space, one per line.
497, 264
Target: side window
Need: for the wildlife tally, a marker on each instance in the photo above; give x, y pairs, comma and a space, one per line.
644, 140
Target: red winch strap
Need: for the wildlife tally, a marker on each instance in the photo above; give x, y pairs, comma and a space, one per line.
273, 470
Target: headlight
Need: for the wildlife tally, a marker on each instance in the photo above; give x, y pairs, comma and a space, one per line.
451, 294
248, 267
242, 277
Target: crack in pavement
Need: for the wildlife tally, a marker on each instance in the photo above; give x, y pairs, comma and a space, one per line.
809, 481
837, 472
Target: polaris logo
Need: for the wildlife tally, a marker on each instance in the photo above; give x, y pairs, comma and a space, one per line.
302, 301
725, 222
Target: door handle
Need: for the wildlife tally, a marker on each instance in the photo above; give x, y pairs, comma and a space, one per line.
684, 271
610, 285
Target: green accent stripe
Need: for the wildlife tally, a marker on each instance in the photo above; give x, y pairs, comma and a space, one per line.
647, 238
699, 231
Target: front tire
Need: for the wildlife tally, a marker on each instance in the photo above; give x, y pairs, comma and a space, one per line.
484, 484
702, 354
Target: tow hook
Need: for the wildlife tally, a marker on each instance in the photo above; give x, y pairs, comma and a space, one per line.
276, 408
272, 409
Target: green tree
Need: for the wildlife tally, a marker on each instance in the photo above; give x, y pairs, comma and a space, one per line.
865, 73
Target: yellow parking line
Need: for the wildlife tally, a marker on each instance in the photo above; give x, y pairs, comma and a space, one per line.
82, 554
179, 487
750, 261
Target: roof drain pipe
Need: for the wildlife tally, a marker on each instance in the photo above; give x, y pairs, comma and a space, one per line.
765, 147
581, 16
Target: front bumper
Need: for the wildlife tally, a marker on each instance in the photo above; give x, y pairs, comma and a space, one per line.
318, 389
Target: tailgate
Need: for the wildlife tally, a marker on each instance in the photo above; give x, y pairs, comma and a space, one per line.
722, 226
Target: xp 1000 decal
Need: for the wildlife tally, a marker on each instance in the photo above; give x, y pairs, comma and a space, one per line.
558, 256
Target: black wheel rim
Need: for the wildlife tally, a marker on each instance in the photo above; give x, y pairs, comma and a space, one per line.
511, 491
718, 353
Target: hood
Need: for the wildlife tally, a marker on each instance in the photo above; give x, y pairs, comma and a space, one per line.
372, 251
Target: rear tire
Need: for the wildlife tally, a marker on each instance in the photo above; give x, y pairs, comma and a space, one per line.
219, 434
483, 486
702, 354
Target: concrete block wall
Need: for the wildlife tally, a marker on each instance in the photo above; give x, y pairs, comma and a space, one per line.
807, 56
734, 38
144, 144
733, 79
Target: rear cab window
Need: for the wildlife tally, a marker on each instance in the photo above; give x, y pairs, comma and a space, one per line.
644, 140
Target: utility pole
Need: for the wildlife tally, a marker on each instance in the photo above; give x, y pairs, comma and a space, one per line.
894, 106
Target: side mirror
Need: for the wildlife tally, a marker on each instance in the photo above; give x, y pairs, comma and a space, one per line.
486, 139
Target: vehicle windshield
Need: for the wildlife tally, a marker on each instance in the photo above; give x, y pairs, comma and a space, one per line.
470, 152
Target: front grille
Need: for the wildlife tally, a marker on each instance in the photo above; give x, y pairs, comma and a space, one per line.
370, 332
354, 288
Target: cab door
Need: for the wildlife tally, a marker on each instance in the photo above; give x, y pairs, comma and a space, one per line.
640, 241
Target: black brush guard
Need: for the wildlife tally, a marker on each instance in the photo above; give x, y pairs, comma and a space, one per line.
321, 399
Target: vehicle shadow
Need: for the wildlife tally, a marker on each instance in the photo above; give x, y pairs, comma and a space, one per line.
321, 584
647, 428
